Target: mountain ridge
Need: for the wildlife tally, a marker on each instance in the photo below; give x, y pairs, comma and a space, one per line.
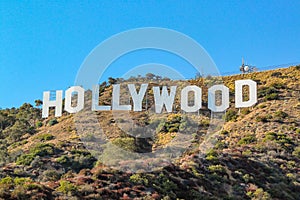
256, 155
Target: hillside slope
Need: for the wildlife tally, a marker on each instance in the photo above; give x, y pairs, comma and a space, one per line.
256, 156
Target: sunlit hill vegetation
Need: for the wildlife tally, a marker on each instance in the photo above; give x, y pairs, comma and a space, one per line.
256, 155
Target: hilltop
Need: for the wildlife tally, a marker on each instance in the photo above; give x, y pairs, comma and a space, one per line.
256, 155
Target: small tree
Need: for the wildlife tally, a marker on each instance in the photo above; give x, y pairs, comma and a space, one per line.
111, 80
150, 76
38, 102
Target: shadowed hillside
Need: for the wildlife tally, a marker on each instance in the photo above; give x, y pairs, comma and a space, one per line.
256, 155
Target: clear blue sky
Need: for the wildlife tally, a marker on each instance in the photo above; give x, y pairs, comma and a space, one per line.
42, 44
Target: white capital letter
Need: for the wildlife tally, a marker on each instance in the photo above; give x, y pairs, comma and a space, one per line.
164, 98
95, 100
197, 98
212, 98
239, 103
137, 97
57, 103
80, 99
116, 99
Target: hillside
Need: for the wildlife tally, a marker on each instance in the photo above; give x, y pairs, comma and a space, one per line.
256, 156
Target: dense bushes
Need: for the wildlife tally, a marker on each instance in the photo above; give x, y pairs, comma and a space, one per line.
279, 116
126, 143
79, 159
67, 187
247, 140
45, 137
38, 150
212, 155
14, 124
39, 124
172, 124
216, 168
296, 152
51, 175
268, 93
15, 132
20, 188
52, 122
272, 96
276, 74
279, 138
138, 179
248, 160
231, 115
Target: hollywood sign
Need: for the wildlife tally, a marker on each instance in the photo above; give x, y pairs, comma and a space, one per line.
162, 97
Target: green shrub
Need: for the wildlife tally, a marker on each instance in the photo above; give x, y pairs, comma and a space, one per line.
165, 186
52, 122
67, 187
16, 144
231, 115
296, 152
245, 111
224, 132
276, 74
216, 168
174, 123
126, 143
247, 140
63, 159
77, 161
266, 91
247, 152
39, 124
279, 138
160, 126
247, 178
220, 145
273, 96
45, 137
81, 161
25, 159
269, 93
261, 118
260, 194
42, 149
169, 185
205, 123
38, 150
278, 85
211, 155
15, 132
262, 106
173, 129
280, 116
283, 139
138, 179
19, 192
33, 186
7, 180
51, 175
270, 136
22, 180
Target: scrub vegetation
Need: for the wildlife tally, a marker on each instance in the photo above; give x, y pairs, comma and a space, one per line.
256, 155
